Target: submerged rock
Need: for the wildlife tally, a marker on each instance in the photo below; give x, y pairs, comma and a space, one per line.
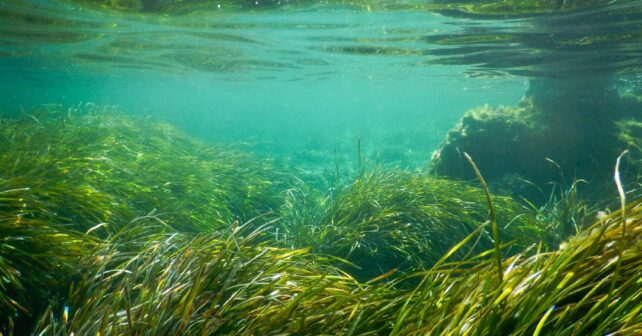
540, 143
487, 134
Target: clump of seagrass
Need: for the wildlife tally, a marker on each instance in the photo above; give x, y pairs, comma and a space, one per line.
37, 257
97, 166
590, 286
393, 220
154, 283
68, 178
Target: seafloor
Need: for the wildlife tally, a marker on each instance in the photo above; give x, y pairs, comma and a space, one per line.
114, 225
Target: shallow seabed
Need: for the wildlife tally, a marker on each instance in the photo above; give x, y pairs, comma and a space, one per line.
320, 168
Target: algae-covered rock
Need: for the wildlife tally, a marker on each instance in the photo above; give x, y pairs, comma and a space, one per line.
536, 142
490, 135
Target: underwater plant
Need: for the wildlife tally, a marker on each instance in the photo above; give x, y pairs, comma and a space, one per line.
590, 286
148, 281
113, 225
69, 178
394, 219
37, 258
224, 283
99, 167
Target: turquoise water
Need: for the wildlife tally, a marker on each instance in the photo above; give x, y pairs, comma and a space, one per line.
278, 113
325, 176
304, 81
269, 79
284, 79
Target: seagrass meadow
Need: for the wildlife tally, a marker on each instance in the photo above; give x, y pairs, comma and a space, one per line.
117, 225
334, 167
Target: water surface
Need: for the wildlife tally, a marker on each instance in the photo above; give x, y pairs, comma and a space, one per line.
292, 77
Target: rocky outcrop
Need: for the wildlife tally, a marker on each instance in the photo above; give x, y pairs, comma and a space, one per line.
537, 143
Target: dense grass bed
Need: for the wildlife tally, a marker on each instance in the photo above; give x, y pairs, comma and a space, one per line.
113, 225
